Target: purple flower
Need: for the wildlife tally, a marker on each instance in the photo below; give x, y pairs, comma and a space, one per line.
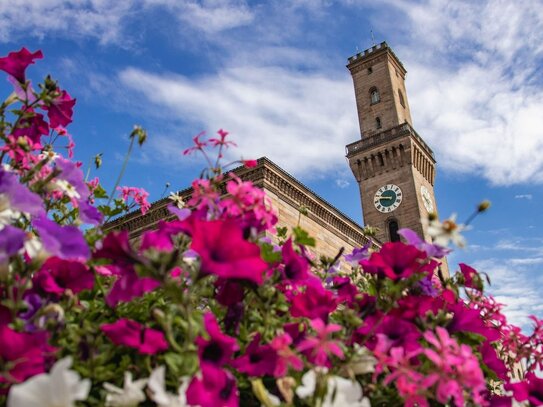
89, 214
432, 250
71, 172
18, 197
358, 254
11, 241
181, 213
66, 242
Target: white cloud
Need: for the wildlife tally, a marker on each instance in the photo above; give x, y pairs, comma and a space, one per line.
293, 118
106, 20
342, 183
524, 196
473, 84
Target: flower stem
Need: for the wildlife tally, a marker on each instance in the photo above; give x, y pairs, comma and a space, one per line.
125, 163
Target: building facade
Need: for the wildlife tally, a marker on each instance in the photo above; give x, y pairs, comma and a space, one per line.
393, 166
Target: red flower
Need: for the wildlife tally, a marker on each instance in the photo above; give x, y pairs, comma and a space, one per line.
134, 335
58, 275
218, 349
60, 110
395, 260
16, 63
224, 252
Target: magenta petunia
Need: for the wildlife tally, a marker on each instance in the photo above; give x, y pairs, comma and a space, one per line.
214, 387
470, 320
314, 302
15, 63
32, 126
23, 354
257, 360
129, 286
531, 389
134, 335
161, 238
116, 246
224, 252
395, 260
219, 348
60, 110
382, 333
296, 267
57, 275
471, 277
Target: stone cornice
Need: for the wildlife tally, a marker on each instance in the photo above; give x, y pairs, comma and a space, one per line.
268, 176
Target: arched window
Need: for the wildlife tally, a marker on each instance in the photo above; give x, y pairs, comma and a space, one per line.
374, 96
378, 122
393, 230
402, 102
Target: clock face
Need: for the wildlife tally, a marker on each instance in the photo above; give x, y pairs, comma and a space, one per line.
388, 198
427, 199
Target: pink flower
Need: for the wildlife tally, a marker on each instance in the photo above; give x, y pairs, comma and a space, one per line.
457, 369
224, 252
471, 277
198, 145
116, 246
221, 141
139, 195
214, 387
15, 63
22, 354
390, 332
530, 389
32, 126
466, 319
285, 355
161, 238
57, 275
134, 335
60, 109
395, 260
257, 360
314, 302
321, 347
218, 349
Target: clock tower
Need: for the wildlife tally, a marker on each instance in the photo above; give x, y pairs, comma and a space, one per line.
394, 167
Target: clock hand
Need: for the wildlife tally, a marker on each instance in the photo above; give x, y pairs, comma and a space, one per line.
385, 197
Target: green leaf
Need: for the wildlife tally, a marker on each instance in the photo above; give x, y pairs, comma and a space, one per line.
302, 237
268, 254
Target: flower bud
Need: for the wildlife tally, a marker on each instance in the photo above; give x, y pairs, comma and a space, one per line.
483, 206
140, 133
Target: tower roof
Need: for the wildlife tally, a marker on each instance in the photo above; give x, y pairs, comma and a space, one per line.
374, 52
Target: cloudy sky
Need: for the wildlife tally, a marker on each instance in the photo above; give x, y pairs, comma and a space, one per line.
272, 72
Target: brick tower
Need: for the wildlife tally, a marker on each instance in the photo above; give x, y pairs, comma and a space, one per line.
394, 167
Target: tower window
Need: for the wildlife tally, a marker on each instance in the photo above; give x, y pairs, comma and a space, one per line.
370, 70
400, 95
378, 122
374, 96
393, 231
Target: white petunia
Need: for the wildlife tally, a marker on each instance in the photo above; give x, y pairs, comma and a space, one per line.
177, 199
66, 188
129, 396
447, 231
340, 392
157, 385
60, 387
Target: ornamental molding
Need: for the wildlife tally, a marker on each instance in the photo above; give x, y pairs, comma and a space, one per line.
270, 177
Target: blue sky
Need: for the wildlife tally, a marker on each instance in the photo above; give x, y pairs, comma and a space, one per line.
273, 74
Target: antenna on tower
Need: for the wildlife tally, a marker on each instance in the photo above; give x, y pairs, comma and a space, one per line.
372, 38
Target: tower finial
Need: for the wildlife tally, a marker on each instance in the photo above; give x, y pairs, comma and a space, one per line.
372, 38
